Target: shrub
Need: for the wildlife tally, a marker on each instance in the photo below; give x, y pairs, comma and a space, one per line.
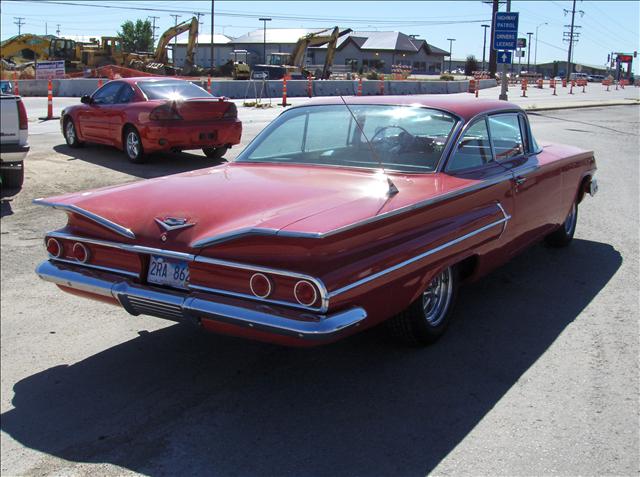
446, 77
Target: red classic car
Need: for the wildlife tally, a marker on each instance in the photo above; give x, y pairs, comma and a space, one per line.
337, 217
146, 115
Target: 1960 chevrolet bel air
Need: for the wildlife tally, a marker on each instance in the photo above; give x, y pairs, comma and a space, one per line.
338, 216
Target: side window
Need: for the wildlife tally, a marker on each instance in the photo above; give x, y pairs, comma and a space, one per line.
126, 94
286, 140
473, 149
506, 136
107, 94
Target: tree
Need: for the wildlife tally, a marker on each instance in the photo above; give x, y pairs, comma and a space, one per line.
470, 65
136, 36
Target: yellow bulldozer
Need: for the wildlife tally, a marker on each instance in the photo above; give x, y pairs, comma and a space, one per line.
27, 48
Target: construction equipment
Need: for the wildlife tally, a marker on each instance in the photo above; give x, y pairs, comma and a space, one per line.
239, 64
292, 64
27, 48
108, 52
159, 62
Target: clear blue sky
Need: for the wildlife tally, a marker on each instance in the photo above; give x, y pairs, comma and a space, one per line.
606, 25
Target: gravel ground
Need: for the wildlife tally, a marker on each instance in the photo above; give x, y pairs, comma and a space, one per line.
537, 375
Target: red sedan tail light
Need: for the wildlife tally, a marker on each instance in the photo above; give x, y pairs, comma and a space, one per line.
260, 285
231, 112
305, 293
164, 113
80, 252
54, 248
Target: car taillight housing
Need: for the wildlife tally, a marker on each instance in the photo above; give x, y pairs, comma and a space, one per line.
305, 293
165, 112
260, 285
23, 121
80, 252
231, 112
54, 248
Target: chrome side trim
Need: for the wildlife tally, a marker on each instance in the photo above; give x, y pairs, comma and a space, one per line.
324, 304
233, 235
108, 224
504, 214
95, 267
176, 306
400, 265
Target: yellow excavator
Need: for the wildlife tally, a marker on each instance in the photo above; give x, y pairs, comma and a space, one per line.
292, 63
159, 62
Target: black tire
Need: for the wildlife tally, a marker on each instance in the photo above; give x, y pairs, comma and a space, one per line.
71, 134
132, 145
426, 320
13, 178
215, 152
564, 235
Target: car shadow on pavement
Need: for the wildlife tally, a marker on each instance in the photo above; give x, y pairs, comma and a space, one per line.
177, 402
156, 165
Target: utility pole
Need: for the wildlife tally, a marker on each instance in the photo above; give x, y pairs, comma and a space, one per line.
153, 30
451, 40
529, 34
19, 22
493, 58
503, 77
535, 57
58, 30
484, 44
198, 15
175, 24
46, 28
264, 40
212, 64
571, 36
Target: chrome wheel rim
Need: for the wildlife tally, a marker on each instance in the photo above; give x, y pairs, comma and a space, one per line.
71, 133
570, 223
437, 297
133, 144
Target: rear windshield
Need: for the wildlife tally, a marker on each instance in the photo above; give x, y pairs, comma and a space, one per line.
172, 89
401, 138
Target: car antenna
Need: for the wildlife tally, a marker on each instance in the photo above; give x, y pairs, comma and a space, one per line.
393, 190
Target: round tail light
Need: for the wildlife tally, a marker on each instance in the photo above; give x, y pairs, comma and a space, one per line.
54, 248
305, 293
80, 252
260, 285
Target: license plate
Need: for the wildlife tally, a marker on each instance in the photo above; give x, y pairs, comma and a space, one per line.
164, 271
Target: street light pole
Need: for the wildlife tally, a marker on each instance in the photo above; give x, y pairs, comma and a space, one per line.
451, 40
535, 56
529, 52
484, 44
264, 40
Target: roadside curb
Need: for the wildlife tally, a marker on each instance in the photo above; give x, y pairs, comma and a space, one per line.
628, 102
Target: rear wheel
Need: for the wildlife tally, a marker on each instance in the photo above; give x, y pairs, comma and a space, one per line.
70, 134
428, 317
215, 152
564, 235
13, 178
133, 145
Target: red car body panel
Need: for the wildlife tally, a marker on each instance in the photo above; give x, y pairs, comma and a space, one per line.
202, 124
335, 226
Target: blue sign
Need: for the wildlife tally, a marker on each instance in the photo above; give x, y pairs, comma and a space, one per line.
504, 57
505, 32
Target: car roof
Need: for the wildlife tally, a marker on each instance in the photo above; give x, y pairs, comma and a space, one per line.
138, 79
462, 106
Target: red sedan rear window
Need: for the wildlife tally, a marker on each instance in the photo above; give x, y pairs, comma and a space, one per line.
172, 89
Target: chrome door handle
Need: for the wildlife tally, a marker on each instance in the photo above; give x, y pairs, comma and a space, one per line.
520, 180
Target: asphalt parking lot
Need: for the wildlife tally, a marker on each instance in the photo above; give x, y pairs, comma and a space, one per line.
537, 375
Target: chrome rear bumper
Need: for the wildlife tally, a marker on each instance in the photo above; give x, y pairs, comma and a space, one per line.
184, 306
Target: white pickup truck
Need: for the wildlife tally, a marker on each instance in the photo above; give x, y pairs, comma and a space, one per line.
14, 132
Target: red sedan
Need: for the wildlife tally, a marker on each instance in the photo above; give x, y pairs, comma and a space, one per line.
146, 115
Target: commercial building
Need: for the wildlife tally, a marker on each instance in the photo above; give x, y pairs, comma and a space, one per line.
356, 51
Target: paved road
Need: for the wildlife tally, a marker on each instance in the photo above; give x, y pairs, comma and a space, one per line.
537, 375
